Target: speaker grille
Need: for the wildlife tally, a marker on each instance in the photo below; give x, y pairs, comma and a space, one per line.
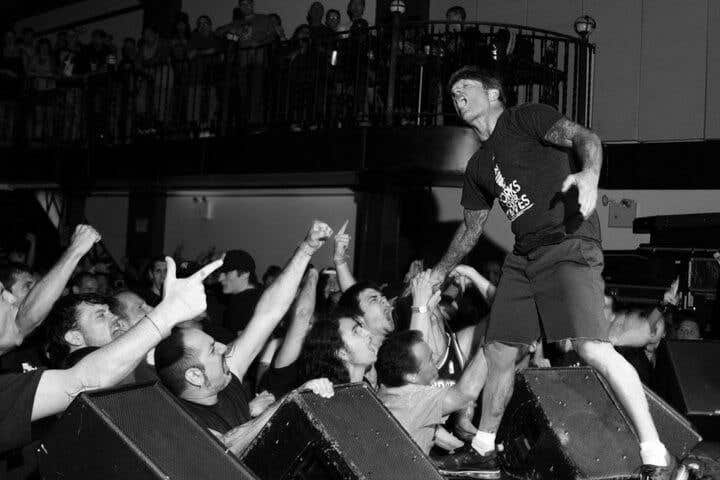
353, 435
151, 419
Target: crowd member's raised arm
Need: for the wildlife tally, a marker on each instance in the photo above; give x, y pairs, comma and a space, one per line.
274, 302
38, 303
424, 301
486, 289
345, 276
184, 299
300, 324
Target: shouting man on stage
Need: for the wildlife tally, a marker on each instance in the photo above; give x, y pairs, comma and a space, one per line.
553, 276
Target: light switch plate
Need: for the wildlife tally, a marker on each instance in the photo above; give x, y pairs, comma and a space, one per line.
622, 213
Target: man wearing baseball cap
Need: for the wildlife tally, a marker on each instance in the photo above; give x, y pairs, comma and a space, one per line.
240, 285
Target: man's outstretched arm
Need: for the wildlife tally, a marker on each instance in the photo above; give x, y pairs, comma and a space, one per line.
465, 239
37, 305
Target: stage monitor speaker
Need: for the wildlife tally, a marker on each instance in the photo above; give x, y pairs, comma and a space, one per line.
137, 432
564, 423
351, 435
691, 381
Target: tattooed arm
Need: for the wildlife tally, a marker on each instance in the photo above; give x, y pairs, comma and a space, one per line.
588, 147
465, 239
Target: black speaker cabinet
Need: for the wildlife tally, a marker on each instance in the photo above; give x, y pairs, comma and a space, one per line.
349, 436
565, 423
135, 432
690, 379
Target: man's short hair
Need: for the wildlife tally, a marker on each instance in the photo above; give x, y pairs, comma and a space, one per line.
396, 358
10, 272
458, 10
62, 318
350, 299
172, 359
489, 80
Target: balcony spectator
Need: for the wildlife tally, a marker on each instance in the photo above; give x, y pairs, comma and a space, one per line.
249, 29
332, 20
202, 41
153, 51
27, 45
455, 16
355, 11
11, 60
129, 55
182, 31
314, 18
61, 41
96, 52
42, 66
278, 26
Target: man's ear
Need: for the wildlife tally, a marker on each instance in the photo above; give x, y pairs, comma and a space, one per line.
194, 376
493, 94
74, 338
343, 355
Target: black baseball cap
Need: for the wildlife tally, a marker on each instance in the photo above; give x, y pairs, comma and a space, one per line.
237, 260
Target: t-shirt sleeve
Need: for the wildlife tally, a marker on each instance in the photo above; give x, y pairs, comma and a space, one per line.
535, 119
17, 394
475, 193
427, 403
280, 381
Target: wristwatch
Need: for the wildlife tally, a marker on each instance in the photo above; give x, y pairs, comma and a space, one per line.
420, 309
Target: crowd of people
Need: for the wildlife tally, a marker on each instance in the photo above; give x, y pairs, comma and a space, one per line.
229, 347
65, 55
202, 79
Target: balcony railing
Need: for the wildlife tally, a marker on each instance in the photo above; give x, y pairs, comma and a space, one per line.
319, 82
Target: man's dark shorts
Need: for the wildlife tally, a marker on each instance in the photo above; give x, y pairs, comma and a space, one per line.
556, 291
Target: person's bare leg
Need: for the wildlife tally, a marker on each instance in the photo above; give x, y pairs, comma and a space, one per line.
626, 384
498, 390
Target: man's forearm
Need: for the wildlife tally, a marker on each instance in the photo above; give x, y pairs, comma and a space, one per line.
237, 439
115, 361
302, 314
589, 148
44, 294
273, 305
345, 277
465, 239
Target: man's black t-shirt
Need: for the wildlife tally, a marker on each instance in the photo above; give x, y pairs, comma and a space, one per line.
231, 410
240, 309
525, 173
17, 394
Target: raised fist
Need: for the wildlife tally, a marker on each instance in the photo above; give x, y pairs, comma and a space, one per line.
318, 234
84, 238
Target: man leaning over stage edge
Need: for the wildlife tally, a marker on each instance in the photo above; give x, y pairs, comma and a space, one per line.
207, 375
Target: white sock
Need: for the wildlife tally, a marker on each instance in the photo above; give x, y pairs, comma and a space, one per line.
483, 442
653, 453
